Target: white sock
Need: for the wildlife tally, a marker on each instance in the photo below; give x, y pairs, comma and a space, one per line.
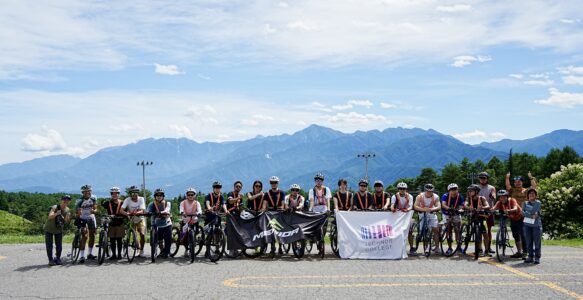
82, 253
90, 250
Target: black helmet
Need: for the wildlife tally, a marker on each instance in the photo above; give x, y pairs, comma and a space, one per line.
319, 176
502, 193
483, 175
217, 184
429, 187
66, 197
363, 181
133, 189
474, 187
86, 188
159, 192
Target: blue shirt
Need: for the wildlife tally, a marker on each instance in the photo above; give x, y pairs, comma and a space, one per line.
453, 202
530, 208
160, 221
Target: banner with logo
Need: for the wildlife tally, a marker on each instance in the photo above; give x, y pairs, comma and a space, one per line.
373, 235
286, 227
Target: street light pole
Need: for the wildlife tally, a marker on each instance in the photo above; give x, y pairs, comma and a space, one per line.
472, 177
366, 155
144, 164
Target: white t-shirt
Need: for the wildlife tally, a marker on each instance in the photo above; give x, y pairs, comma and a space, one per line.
132, 206
402, 201
428, 204
320, 200
297, 203
189, 208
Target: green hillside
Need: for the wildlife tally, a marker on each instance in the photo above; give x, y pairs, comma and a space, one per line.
13, 224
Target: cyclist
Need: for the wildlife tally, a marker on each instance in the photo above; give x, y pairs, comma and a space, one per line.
135, 205
380, 197
455, 201
215, 202
86, 209
319, 195
274, 201
402, 201
235, 198
160, 210
428, 202
363, 199
294, 200
489, 192
58, 215
116, 230
343, 199
514, 211
518, 192
189, 206
476, 203
255, 198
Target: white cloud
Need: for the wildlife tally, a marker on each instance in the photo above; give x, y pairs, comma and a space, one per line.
49, 141
478, 136
318, 107
572, 75
517, 76
574, 80
464, 60
181, 131
388, 105
167, 70
124, 127
542, 82
355, 118
204, 77
570, 21
562, 99
364, 103
454, 8
342, 106
540, 76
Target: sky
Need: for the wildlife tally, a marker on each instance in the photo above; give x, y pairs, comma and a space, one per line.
78, 76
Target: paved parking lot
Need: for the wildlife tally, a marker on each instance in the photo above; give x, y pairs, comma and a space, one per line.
24, 274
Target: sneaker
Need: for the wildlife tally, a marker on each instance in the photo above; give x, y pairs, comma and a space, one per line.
82, 260
435, 250
528, 260
448, 252
51, 263
58, 261
516, 255
412, 251
536, 261
91, 257
141, 255
113, 258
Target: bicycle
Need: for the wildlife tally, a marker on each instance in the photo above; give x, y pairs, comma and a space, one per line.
130, 242
502, 239
154, 243
78, 238
192, 239
334, 235
474, 231
446, 236
215, 238
425, 235
103, 241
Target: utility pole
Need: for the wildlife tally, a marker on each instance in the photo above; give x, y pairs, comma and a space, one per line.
366, 155
144, 164
472, 176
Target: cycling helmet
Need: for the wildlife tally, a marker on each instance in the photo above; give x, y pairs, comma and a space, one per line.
86, 188
429, 187
114, 189
133, 189
452, 186
191, 190
363, 181
245, 215
295, 186
483, 175
474, 187
66, 197
319, 176
158, 192
378, 183
402, 185
217, 184
274, 179
502, 193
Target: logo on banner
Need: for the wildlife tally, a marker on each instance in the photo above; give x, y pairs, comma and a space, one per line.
275, 225
376, 232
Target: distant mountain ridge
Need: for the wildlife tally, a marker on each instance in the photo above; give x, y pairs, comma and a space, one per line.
181, 163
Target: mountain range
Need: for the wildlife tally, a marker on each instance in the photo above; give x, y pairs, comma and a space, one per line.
295, 158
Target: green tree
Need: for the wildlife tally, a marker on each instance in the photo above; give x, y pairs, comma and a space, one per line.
557, 158
428, 175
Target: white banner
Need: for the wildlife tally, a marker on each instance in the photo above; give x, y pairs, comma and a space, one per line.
373, 235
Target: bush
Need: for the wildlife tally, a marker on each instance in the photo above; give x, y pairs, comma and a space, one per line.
562, 202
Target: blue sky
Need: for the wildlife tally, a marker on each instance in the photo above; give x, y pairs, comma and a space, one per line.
79, 76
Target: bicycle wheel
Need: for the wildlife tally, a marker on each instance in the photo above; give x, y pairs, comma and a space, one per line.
426, 240
200, 240
153, 244
466, 234
416, 234
501, 244
477, 241
309, 246
131, 245
446, 239
191, 245
286, 248
176, 241
299, 248
215, 244
321, 249
102, 245
75, 246
254, 252
334, 241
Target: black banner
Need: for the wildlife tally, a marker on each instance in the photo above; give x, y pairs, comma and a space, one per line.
286, 227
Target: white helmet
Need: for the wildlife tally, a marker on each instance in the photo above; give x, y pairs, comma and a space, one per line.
191, 190
114, 189
245, 215
274, 179
295, 186
452, 186
402, 185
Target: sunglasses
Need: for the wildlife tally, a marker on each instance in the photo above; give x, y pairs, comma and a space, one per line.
273, 182
363, 185
238, 186
294, 190
190, 195
257, 186
517, 179
402, 189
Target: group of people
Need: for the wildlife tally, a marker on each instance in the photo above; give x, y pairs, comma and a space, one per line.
520, 203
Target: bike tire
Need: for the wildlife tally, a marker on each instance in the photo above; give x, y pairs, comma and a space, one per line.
466, 234
216, 245
254, 252
477, 241
200, 240
334, 242
102, 251
75, 246
131, 246
414, 229
445, 239
299, 248
153, 244
175, 241
309, 246
426, 240
191, 245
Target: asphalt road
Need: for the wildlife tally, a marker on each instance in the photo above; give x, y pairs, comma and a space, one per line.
24, 274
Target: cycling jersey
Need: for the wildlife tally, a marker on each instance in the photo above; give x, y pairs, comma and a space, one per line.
86, 206
320, 198
510, 204
405, 202
294, 202
454, 203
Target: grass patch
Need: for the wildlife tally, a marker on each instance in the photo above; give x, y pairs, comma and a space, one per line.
564, 243
30, 239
